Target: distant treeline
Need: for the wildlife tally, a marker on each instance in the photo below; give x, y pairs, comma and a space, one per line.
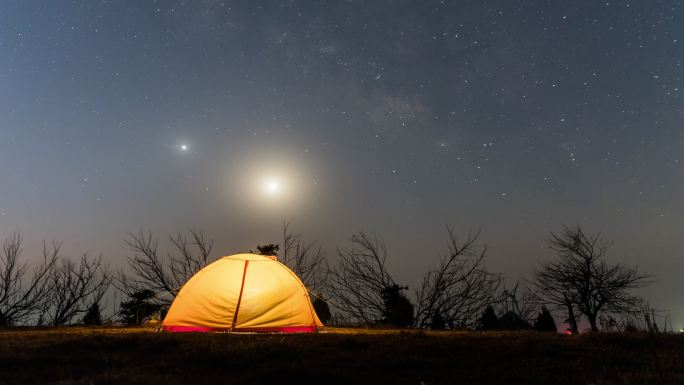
355, 287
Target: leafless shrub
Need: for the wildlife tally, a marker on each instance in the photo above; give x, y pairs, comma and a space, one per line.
164, 276
459, 288
359, 279
307, 260
644, 319
21, 296
73, 288
552, 286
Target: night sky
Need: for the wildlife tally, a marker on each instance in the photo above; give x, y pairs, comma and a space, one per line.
392, 117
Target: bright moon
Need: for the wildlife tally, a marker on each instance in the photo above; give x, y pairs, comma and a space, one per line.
184, 147
272, 187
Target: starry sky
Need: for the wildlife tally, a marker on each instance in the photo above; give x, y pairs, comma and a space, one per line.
393, 117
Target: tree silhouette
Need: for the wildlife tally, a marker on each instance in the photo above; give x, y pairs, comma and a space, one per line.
459, 288
22, 295
139, 306
270, 249
488, 320
360, 279
582, 279
398, 309
163, 275
437, 322
545, 321
73, 288
307, 260
93, 316
512, 321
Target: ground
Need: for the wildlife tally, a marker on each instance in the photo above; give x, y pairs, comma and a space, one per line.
336, 356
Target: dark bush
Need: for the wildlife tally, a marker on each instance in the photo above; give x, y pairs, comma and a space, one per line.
322, 310
512, 321
270, 249
398, 309
545, 322
437, 322
488, 320
140, 306
93, 316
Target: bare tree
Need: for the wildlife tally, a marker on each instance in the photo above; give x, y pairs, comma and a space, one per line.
164, 276
307, 260
522, 301
360, 279
21, 296
73, 289
553, 286
581, 277
459, 288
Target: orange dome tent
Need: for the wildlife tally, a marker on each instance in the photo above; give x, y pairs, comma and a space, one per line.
243, 293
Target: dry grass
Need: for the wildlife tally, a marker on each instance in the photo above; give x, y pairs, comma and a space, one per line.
336, 356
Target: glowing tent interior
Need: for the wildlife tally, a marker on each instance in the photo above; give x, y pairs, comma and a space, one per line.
243, 293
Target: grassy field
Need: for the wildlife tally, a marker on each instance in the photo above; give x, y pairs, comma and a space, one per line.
336, 356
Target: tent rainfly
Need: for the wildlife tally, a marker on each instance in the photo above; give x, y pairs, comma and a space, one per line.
243, 293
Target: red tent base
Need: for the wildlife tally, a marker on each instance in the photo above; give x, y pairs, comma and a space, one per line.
204, 329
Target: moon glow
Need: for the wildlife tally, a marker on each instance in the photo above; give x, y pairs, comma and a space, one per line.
272, 187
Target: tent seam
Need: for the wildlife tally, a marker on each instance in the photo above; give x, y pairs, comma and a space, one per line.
242, 287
